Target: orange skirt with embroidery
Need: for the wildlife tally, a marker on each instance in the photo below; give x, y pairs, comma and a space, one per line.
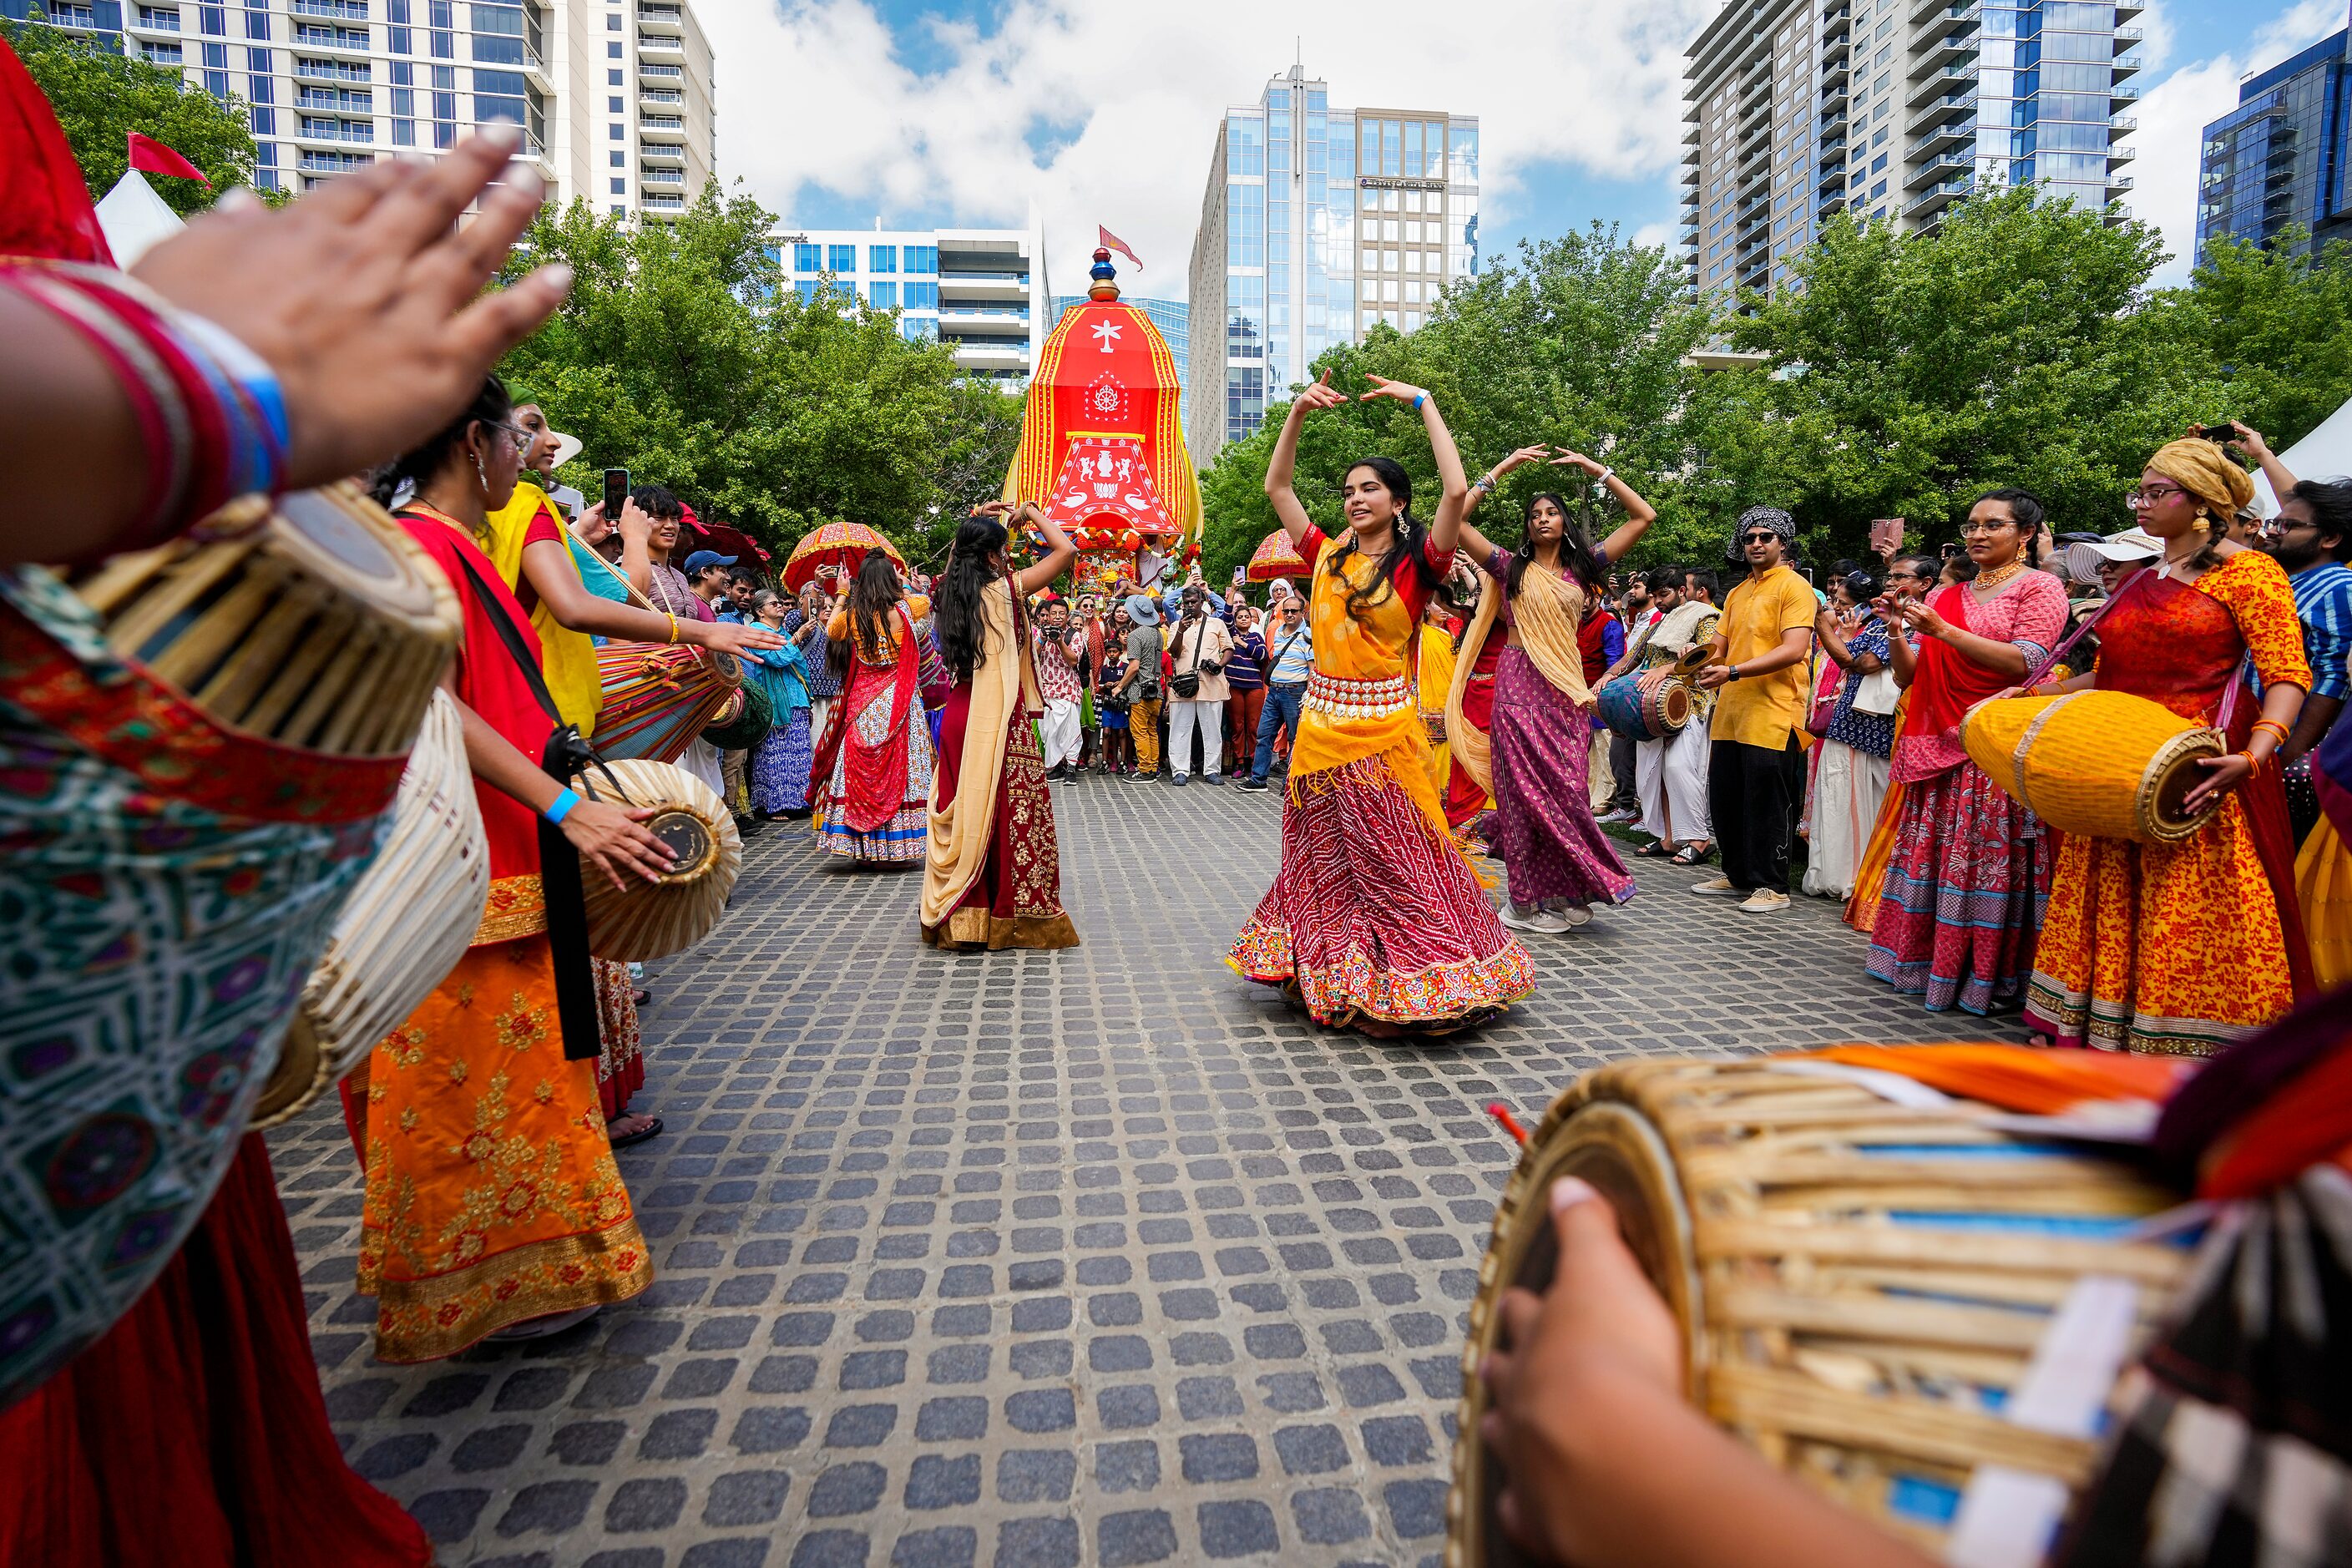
491, 1192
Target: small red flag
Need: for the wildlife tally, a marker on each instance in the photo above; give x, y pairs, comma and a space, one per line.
1111, 241
153, 157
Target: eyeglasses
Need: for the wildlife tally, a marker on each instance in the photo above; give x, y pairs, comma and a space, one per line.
1765, 537
2150, 496
520, 437
1973, 526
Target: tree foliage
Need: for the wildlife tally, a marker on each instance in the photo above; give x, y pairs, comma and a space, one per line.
683, 356
101, 96
2021, 345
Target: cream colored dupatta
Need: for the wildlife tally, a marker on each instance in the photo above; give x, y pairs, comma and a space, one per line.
962, 829
1547, 611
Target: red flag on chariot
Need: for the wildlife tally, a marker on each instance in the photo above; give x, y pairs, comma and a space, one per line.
1111, 241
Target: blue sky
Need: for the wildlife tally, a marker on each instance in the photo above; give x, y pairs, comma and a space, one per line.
921, 112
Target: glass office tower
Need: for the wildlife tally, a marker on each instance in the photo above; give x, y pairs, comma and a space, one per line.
2277, 159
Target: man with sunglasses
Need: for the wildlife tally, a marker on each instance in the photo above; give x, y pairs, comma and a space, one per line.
1755, 765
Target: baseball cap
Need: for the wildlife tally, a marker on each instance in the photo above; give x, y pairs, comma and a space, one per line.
702, 558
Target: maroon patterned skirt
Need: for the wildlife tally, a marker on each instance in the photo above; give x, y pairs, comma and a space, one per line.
1016, 899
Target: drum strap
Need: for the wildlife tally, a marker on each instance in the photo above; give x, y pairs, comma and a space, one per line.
564, 755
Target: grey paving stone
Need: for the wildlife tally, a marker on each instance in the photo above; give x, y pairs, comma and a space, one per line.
1096, 1256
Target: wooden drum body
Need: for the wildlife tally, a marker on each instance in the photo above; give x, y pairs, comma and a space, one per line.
2107, 765
658, 698
313, 622
743, 721
410, 919
1863, 1283
654, 920
1643, 707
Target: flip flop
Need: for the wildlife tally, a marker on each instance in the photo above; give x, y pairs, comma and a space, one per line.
1694, 854
652, 1125
1655, 850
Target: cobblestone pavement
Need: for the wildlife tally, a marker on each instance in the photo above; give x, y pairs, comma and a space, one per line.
1100, 1257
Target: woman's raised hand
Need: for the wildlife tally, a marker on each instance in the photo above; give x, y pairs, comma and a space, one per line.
365, 296
1323, 395
1564, 459
1404, 391
1521, 458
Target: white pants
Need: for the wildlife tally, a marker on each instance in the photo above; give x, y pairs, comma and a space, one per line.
1670, 777
1183, 719
1848, 786
1059, 730
820, 710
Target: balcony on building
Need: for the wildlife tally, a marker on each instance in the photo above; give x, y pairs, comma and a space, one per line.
660, 203
660, 128
654, 174
321, 131
2119, 95
1952, 133
1937, 197
322, 37
1935, 83
665, 155
659, 74
2126, 65
163, 19
661, 18
660, 43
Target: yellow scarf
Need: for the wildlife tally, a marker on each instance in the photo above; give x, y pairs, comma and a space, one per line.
1547, 611
567, 659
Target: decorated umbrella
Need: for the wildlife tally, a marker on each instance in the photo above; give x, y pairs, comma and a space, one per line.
1277, 557
838, 545
728, 540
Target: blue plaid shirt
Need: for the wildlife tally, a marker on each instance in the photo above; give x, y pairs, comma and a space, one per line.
2323, 603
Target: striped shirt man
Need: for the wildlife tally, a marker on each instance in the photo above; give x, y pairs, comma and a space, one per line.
2323, 603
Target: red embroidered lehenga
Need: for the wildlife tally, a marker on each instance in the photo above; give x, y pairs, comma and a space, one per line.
870, 782
2184, 948
993, 873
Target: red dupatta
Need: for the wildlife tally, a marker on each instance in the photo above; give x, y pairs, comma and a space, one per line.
874, 778
1949, 683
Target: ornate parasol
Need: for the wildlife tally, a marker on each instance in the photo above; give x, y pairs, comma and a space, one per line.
839, 545
1277, 557
728, 540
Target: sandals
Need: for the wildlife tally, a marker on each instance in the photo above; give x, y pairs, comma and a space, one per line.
653, 1124
1655, 850
1694, 854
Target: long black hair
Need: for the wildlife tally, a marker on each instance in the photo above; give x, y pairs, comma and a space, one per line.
873, 593
2026, 508
1575, 551
955, 599
412, 468
1406, 550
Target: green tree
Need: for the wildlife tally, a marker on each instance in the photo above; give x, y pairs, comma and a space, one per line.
683, 356
2018, 346
1577, 343
100, 97
2278, 323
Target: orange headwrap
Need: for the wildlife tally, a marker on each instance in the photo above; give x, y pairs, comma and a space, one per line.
2206, 471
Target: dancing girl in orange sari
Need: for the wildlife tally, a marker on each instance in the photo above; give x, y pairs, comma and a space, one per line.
1374, 918
2186, 948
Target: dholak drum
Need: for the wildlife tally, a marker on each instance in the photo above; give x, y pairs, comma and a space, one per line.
1862, 1283
314, 623
2105, 764
1641, 706
654, 920
408, 921
656, 699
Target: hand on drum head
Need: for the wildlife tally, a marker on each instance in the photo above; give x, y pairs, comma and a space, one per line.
365, 296
614, 838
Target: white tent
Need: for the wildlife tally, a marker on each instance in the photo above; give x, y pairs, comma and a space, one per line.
135, 219
2325, 454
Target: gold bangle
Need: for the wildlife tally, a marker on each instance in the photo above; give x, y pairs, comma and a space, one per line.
673, 629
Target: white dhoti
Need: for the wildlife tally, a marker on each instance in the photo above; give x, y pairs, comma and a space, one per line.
701, 759
1058, 731
1848, 787
1670, 777
1598, 774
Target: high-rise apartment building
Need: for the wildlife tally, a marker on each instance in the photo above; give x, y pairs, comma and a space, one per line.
2277, 159
1891, 110
984, 292
614, 96
1315, 224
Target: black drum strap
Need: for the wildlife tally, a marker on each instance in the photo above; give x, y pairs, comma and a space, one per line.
558, 862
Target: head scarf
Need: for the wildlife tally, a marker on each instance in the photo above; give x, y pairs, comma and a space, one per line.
2203, 470
1770, 517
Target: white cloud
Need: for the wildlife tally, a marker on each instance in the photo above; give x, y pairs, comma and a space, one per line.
1654, 234
2175, 112
1129, 98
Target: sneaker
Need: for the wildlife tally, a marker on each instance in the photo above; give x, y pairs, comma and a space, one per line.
1575, 915
1518, 918
1215, 780
1252, 783
1720, 887
1764, 900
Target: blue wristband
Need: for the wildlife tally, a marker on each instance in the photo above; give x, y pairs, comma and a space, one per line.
560, 808
1418, 399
